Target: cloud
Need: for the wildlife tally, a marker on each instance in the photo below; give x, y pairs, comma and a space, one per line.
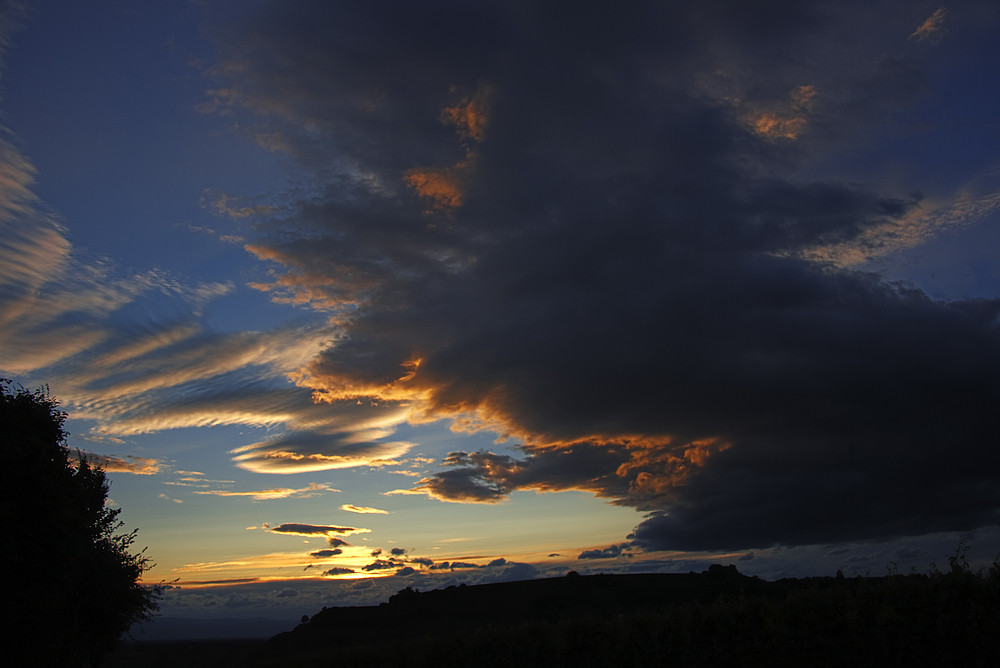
624, 286
459, 565
606, 553
974, 201
323, 554
305, 452
632, 259
128, 464
932, 29
338, 570
61, 322
363, 509
316, 530
380, 564
789, 119
277, 493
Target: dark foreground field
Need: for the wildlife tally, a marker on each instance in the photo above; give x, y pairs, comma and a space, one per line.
186, 654
718, 617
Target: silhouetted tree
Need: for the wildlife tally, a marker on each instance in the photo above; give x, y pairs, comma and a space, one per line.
72, 584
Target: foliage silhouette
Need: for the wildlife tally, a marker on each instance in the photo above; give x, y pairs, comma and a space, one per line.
72, 581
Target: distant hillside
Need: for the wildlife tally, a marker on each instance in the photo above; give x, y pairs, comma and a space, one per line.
413, 613
716, 617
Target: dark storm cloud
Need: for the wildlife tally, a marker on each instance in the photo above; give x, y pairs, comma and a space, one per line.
600, 231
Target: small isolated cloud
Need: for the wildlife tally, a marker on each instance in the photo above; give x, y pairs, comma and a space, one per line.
932, 29
315, 530
397, 551
127, 464
324, 554
380, 564
607, 553
337, 542
407, 570
423, 561
275, 493
338, 570
363, 509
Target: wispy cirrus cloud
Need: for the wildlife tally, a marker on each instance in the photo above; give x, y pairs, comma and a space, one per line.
60, 323
313, 489
364, 510
126, 464
974, 202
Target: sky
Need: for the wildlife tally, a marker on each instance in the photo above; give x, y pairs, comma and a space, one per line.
348, 297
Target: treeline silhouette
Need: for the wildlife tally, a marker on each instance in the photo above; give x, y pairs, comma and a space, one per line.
71, 585
718, 617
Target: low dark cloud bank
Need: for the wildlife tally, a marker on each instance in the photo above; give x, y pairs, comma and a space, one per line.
603, 231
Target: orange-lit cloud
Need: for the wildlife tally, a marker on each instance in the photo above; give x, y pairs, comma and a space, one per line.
441, 186
634, 471
128, 464
933, 28
265, 457
471, 115
787, 120
363, 509
333, 289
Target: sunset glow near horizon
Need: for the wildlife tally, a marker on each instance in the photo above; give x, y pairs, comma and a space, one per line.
348, 297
